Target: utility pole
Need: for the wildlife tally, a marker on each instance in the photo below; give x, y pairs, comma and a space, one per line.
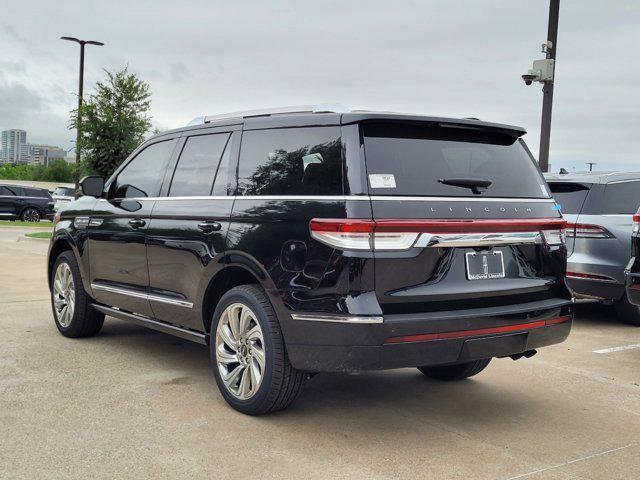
547, 88
82, 43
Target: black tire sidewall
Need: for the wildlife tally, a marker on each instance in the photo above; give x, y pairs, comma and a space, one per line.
247, 297
75, 326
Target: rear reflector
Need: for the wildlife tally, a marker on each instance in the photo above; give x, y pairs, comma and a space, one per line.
478, 332
590, 276
583, 230
386, 234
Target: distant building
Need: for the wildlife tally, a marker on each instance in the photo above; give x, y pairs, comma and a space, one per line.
12, 146
43, 154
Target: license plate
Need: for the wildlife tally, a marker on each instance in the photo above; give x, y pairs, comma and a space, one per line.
484, 265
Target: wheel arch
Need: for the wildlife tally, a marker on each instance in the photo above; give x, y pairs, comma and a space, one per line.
239, 269
35, 207
58, 246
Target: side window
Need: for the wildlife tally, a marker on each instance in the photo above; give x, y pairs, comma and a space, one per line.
142, 177
197, 165
6, 192
291, 161
621, 198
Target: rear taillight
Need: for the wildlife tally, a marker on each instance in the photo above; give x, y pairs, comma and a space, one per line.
636, 224
583, 230
355, 234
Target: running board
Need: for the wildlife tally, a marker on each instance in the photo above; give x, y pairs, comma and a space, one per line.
153, 324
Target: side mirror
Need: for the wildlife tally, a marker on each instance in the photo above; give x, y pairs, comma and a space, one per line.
92, 186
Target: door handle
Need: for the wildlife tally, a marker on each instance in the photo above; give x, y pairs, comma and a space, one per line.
209, 227
137, 223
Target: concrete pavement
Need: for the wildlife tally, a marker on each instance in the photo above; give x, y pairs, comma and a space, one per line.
132, 403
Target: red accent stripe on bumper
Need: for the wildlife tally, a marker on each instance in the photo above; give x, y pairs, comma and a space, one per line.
479, 332
591, 276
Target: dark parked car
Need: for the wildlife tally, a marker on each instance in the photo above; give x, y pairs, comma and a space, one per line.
305, 242
599, 208
633, 267
25, 203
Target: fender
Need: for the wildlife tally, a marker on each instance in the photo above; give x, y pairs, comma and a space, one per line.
66, 234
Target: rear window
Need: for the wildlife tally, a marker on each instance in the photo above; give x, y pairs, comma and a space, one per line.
415, 159
64, 192
291, 161
36, 192
570, 196
621, 198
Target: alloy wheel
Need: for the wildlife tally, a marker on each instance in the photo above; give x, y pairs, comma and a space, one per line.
240, 351
31, 215
64, 295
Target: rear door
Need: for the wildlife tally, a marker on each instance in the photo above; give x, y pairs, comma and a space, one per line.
118, 229
188, 230
416, 175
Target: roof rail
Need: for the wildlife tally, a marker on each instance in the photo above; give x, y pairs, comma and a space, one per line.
320, 108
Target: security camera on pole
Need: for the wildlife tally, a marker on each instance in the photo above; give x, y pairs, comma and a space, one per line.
543, 72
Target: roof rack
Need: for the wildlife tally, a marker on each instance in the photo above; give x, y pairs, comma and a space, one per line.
320, 108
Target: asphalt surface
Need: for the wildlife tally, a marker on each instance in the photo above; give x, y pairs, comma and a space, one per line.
132, 403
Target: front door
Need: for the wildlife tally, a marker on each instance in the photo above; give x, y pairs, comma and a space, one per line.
118, 230
188, 231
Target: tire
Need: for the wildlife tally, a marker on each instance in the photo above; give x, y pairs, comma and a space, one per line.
627, 312
82, 320
268, 388
458, 371
31, 214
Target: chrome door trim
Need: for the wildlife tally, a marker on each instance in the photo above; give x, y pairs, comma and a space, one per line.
478, 239
146, 296
337, 318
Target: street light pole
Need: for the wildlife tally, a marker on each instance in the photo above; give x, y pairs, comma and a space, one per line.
82, 43
547, 88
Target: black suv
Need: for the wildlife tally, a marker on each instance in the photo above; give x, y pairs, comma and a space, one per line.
25, 203
303, 242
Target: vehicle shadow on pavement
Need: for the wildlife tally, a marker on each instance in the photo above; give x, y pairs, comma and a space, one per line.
333, 397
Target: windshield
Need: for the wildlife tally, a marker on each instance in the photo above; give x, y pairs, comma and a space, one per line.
419, 159
570, 196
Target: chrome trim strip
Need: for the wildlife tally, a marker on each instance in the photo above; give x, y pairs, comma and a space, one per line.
131, 293
478, 239
337, 318
623, 181
153, 324
462, 199
343, 198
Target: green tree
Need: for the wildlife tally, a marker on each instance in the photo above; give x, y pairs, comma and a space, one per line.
114, 121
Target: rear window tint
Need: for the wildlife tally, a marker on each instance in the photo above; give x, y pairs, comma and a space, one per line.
291, 161
197, 165
409, 159
35, 192
621, 198
570, 196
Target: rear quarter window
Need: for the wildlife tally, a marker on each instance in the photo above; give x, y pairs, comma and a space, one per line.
621, 198
409, 159
291, 161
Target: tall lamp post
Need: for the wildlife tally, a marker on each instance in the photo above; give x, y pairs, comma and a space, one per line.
543, 71
82, 43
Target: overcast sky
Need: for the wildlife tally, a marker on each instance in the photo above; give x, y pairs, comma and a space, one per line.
451, 58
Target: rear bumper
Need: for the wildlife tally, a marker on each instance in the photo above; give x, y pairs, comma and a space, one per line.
427, 339
632, 281
590, 288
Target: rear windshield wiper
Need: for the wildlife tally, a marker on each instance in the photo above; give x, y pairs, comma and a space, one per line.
477, 185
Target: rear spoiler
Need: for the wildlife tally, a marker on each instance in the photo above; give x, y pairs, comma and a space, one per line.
460, 123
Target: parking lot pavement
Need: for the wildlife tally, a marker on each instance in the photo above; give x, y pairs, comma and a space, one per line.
132, 403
